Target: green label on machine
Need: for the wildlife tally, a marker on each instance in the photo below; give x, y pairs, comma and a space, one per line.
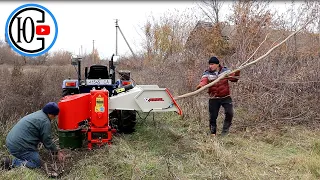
120, 90
99, 104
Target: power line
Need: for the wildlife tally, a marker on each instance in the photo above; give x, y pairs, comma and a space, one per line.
93, 52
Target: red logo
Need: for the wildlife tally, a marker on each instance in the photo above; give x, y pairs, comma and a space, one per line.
42, 30
153, 99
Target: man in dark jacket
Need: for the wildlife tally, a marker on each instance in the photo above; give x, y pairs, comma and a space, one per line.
23, 139
219, 94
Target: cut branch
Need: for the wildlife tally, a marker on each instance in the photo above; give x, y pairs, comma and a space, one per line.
255, 51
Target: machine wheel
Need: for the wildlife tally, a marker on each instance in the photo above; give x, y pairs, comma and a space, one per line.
123, 120
66, 92
128, 121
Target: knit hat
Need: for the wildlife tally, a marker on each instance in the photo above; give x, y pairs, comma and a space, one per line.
214, 60
51, 108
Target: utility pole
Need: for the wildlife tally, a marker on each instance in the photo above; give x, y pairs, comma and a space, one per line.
127, 43
118, 27
117, 36
93, 51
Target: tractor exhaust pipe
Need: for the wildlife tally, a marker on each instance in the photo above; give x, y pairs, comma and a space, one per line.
112, 70
86, 73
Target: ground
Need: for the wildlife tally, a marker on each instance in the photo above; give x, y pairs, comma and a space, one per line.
169, 147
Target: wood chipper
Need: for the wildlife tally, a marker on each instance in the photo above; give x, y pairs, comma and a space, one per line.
97, 106
88, 114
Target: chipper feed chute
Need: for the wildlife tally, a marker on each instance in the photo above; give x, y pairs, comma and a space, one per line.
145, 98
89, 113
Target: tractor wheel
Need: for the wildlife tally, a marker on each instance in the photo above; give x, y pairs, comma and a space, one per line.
124, 121
66, 92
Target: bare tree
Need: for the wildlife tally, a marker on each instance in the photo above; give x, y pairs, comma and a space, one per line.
211, 9
166, 36
251, 21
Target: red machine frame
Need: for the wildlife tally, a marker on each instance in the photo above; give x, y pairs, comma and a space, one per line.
92, 107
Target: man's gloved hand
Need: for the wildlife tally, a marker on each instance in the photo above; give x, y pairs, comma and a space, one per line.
61, 156
237, 73
198, 87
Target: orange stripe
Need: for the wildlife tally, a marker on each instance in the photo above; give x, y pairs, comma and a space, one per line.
174, 102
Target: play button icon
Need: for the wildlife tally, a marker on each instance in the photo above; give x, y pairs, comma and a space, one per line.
42, 30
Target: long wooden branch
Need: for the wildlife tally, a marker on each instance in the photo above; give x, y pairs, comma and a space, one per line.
255, 51
241, 67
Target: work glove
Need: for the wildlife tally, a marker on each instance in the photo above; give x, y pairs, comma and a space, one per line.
61, 156
237, 73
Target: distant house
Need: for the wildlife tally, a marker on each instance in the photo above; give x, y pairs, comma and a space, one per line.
199, 38
202, 29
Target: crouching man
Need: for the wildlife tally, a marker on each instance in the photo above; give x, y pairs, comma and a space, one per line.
23, 139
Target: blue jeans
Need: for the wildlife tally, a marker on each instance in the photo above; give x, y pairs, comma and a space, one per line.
30, 159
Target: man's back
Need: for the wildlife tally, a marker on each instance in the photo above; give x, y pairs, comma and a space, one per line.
28, 132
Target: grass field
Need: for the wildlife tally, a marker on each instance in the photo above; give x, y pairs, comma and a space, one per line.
168, 147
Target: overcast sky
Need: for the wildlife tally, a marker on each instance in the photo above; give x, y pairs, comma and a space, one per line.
81, 22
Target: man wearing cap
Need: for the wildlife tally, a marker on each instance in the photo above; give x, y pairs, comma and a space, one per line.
23, 139
219, 94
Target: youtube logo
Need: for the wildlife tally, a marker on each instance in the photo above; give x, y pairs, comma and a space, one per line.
31, 30
42, 30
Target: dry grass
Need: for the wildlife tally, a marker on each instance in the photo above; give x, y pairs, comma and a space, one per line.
25, 89
171, 148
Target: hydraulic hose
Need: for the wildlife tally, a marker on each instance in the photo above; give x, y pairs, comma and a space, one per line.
123, 89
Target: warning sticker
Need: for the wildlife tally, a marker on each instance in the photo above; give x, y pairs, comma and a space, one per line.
99, 104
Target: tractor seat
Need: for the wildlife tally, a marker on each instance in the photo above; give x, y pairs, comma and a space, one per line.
98, 71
